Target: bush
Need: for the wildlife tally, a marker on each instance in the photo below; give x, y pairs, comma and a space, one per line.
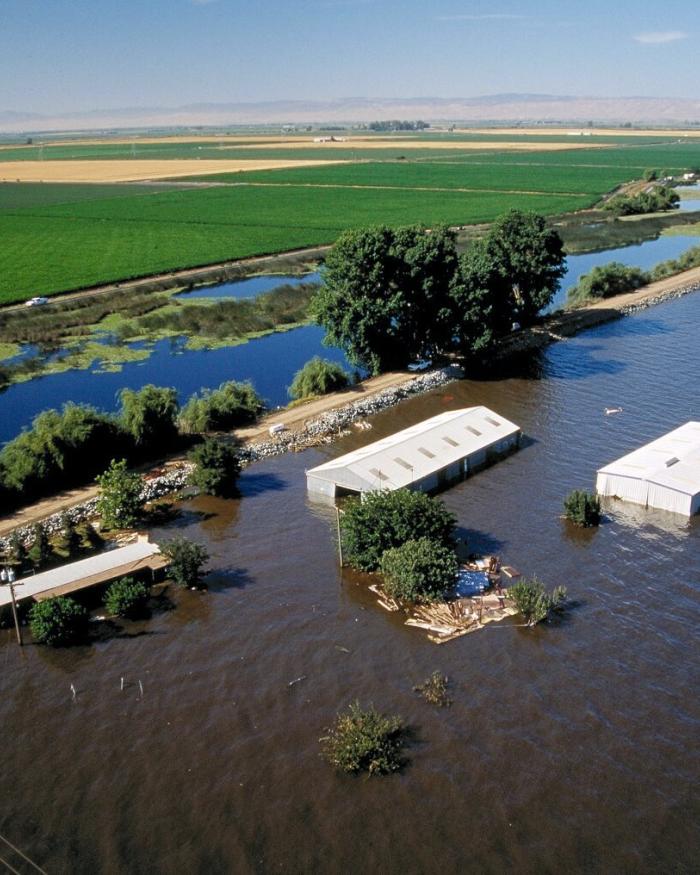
120, 502
187, 560
16, 551
364, 741
419, 571
40, 551
318, 377
434, 690
231, 405
534, 602
689, 259
58, 621
217, 467
582, 508
605, 281
126, 598
382, 520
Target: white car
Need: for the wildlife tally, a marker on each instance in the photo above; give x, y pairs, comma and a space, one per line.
36, 302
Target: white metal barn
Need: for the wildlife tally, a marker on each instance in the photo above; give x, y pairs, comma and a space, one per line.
664, 474
425, 456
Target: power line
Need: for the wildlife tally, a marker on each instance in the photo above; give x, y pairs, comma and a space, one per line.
11, 868
23, 856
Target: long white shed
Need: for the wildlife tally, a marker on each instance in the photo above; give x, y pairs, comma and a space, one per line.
425, 456
664, 474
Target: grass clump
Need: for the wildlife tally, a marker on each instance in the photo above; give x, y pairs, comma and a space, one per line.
126, 598
363, 740
582, 508
534, 602
423, 570
318, 377
434, 690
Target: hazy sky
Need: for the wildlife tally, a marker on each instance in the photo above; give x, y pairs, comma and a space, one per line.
72, 55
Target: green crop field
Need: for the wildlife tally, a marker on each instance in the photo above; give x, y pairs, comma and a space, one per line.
66, 246
562, 179
57, 237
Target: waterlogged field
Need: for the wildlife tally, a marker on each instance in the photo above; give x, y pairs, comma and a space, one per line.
58, 237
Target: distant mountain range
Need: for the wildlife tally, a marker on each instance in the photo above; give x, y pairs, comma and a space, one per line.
498, 108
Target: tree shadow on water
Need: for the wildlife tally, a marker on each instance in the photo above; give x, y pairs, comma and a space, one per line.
228, 578
473, 541
257, 483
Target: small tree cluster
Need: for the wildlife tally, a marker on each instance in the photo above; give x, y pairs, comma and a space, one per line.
582, 508
216, 467
58, 621
68, 540
659, 199
187, 560
605, 281
318, 377
363, 740
421, 570
40, 550
534, 602
126, 598
384, 520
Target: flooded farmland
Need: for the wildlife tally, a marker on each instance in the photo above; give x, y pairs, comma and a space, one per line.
571, 747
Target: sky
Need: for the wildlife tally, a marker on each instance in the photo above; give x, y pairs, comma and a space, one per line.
59, 56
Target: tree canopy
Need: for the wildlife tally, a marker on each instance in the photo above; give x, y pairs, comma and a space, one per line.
419, 571
318, 377
391, 296
149, 415
216, 467
382, 520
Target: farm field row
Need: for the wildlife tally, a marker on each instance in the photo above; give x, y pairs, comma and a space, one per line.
211, 146
52, 248
569, 180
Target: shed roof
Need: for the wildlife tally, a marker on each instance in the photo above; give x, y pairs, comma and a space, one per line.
672, 461
86, 572
417, 452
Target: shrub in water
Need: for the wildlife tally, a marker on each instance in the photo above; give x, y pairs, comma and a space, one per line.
318, 377
364, 741
534, 602
419, 571
126, 597
187, 559
58, 621
582, 508
217, 467
383, 520
434, 690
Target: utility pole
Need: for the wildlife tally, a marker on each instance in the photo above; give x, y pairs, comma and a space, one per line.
18, 628
340, 540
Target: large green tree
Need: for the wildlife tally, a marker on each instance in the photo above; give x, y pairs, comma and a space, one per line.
119, 502
216, 467
526, 261
385, 297
149, 415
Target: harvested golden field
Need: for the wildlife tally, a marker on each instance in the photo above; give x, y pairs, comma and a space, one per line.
396, 140
132, 170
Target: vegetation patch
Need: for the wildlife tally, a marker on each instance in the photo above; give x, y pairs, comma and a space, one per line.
318, 377
126, 598
419, 571
534, 602
216, 467
434, 690
363, 740
58, 622
582, 508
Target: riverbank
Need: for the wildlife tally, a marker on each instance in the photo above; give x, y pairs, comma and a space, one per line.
323, 419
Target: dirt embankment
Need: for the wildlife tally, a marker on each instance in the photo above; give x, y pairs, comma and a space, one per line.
558, 327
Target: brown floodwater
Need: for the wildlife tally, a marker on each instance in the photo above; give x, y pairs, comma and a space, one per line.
569, 748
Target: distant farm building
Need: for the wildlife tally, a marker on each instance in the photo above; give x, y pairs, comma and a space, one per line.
426, 456
664, 474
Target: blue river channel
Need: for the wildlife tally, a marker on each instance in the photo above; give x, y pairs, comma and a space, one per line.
270, 362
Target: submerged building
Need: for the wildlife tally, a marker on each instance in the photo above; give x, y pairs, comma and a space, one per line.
664, 474
426, 456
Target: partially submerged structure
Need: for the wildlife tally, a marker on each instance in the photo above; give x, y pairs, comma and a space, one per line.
425, 456
100, 568
663, 474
